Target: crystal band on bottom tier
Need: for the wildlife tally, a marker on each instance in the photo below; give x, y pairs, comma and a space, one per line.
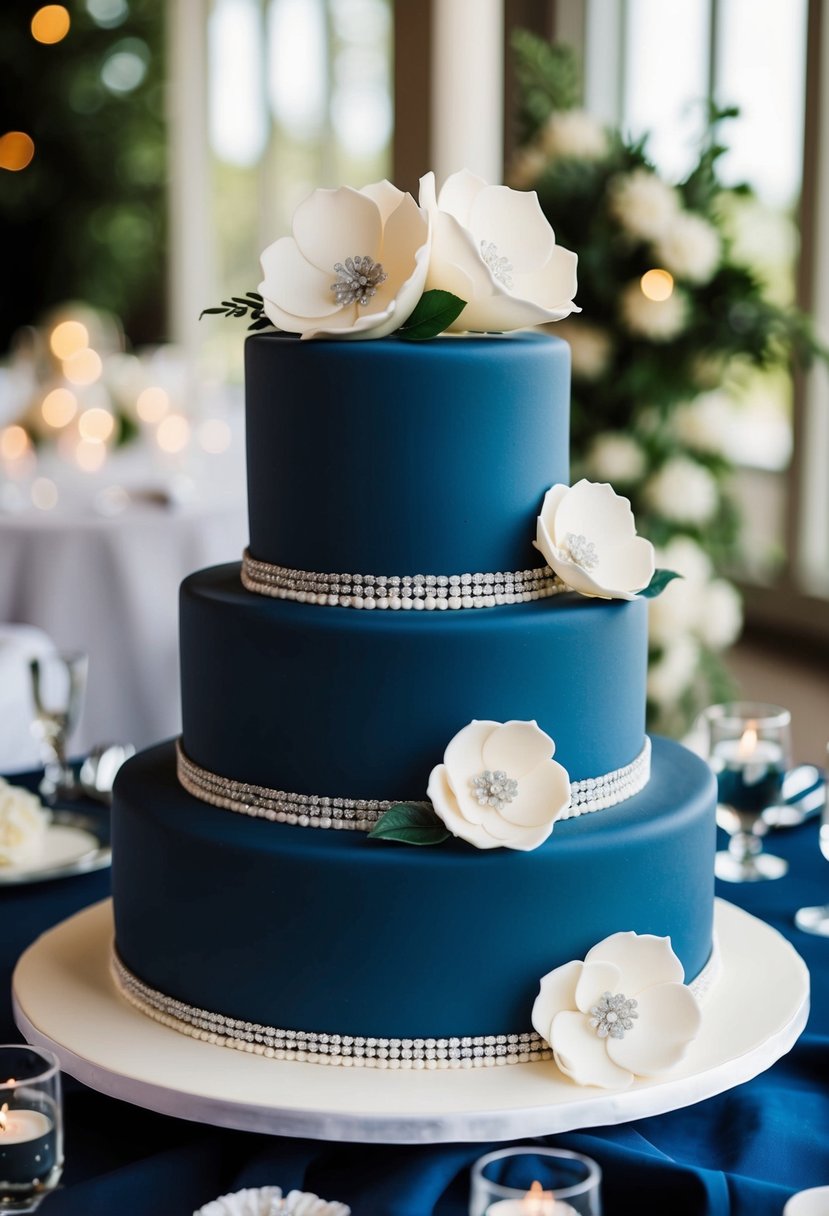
407, 591
357, 1051
360, 814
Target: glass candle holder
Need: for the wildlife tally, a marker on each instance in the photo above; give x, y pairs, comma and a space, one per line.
535, 1181
749, 752
31, 1127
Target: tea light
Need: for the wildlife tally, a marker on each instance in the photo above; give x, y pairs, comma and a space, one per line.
27, 1150
536, 1202
749, 770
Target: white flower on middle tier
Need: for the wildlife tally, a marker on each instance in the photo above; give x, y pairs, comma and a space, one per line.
498, 786
355, 266
587, 534
493, 247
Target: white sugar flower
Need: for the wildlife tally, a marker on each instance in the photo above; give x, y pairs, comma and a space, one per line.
23, 824
721, 618
494, 248
355, 266
590, 348
616, 458
683, 491
574, 133
656, 320
622, 1013
498, 786
689, 248
587, 534
643, 204
269, 1201
674, 672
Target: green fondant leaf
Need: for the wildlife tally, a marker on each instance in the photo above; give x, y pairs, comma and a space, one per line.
250, 304
410, 823
658, 583
434, 311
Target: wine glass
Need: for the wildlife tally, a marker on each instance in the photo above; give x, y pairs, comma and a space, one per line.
31, 1127
749, 752
816, 920
58, 684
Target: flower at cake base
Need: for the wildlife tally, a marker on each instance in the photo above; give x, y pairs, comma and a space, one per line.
269, 1201
588, 536
498, 786
23, 824
355, 266
622, 1013
493, 247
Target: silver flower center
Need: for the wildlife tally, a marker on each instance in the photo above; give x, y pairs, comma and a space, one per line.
612, 1015
494, 789
357, 280
501, 267
580, 551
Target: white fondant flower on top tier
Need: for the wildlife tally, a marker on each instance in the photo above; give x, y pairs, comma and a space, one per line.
355, 266
622, 1013
494, 248
498, 786
269, 1201
587, 533
23, 824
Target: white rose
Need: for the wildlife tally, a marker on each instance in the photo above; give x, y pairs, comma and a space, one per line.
706, 422
657, 320
675, 612
590, 348
587, 534
721, 617
498, 786
616, 458
683, 491
574, 133
674, 672
355, 266
494, 248
643, 204
690, 248
527, 166
688, 558
622, 1013
23, 824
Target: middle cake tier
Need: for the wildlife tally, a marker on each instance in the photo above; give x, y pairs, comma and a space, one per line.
361, 705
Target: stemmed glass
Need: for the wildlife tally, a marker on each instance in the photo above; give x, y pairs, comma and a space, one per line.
31, 1127
816, 920
749, 752
58, 684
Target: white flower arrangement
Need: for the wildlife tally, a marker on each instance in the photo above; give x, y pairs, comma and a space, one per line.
591, 347
616, 458
574, 133
690, 248
644, 205
674, 671
23, 824
269, 1201
587, 534
655, 320
498, 785
622, 1013
683, 491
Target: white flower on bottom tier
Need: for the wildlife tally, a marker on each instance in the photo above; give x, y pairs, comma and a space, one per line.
23, 824
498, 786
622, 1013
268, 1201
587, 533
355, 266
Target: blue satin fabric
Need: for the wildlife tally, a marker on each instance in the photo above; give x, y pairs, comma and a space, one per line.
741, 1154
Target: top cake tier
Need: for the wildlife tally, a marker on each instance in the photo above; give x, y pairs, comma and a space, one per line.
403, 458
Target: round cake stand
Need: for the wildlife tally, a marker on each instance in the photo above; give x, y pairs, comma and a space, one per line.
65, 999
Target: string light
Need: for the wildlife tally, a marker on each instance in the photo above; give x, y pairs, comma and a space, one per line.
657, 285
59, 407
96, 424
50, 24
68, 338
90, 454
84, 367
16, 150
173, 433
14, 442
152, 404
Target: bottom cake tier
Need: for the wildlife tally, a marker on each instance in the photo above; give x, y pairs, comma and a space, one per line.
245, 929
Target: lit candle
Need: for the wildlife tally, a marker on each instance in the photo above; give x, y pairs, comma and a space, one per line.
536, 1202
749, 770
27, 1146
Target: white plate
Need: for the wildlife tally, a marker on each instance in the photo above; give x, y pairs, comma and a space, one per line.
65, 999
72, 845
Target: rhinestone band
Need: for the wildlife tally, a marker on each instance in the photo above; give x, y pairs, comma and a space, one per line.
480, 1051
350, 1051
360, 814
407, 591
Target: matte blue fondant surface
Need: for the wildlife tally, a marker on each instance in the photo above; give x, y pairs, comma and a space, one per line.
401, 457
320, 930
344, 703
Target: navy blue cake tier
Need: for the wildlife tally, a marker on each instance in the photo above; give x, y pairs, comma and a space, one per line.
405, 458
342, 703
328, 931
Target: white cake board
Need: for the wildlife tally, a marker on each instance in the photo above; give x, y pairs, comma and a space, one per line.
65, 999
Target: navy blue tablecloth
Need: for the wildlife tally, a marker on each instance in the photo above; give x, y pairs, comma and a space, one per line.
742, 1153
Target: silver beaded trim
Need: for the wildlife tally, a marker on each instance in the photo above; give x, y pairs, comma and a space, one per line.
351, 1051
401, 592
360, 814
